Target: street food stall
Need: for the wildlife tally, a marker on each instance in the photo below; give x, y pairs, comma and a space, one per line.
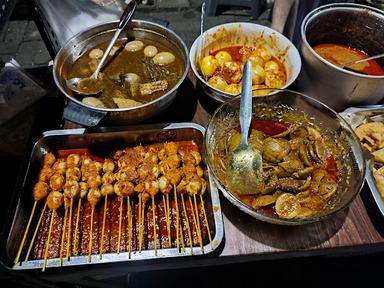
138, 176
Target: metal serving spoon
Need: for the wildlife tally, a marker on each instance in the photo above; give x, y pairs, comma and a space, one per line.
345, 65
245, 169
201, 42
125, 18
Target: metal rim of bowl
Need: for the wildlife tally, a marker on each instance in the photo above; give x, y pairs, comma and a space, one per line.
229, 96
176, 86
330, 7
274, 219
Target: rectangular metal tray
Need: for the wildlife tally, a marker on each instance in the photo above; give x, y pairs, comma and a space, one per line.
118, 137
356, 116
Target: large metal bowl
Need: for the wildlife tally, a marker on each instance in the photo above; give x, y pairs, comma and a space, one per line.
91, 116
352, 173
238, 33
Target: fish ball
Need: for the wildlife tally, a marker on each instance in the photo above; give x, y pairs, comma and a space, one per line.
92, 101
96, 53
150, 51
164, 58
133, 46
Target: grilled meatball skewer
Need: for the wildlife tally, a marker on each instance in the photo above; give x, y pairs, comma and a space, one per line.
94, 181
40, 191
71, 191
54, 201
106, 189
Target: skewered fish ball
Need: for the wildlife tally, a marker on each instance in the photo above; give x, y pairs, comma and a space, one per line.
124, 188
73, 160
55, 200
73, 173
108, 165
164, 185
83, 186
46, 173
94, 181
56, 182
49, 159
93, 196
71, 188
60, 166
108, 178
106, 189
40, 190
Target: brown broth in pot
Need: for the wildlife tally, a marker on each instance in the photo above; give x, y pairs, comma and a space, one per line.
114, 81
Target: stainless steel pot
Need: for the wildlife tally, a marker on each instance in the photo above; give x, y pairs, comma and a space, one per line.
87, 115
354, 25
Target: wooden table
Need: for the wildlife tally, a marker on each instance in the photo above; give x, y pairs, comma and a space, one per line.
356, 230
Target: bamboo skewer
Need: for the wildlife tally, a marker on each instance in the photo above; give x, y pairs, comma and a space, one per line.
49, 239
35, 233
129, 216
69, 230
166, 212
187, 222
154, 224
198, 223
103, 227
169, 222
182, 240
139, 220
54, 200
93, 197
195, 221
25, 233
63, 236
77, 224
120, 220
90, 236
142, 223
177, 217
206, 220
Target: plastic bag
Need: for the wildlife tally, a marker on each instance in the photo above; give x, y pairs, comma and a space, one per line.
17, 90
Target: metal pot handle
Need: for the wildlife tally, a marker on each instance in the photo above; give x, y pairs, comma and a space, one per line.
83, 116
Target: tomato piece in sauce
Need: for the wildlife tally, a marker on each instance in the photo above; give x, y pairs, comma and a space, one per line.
270, 127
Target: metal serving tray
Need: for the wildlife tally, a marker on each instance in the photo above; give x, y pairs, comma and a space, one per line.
109, 138
356, 116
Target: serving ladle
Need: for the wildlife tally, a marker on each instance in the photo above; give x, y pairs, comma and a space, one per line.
125, 18
244, 173
346, 65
